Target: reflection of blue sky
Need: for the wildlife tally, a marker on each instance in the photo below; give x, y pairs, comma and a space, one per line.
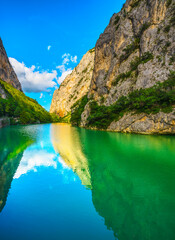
42, 155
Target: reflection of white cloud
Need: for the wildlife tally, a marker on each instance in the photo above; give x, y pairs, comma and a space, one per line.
33, 159
41, 95
63, 164
49, 47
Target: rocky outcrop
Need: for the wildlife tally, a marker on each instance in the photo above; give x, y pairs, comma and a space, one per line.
2, 93
7, 73
136, 51
159, 123
74, 87
4, 121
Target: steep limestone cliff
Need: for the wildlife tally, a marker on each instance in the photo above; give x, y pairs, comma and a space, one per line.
75, 86
138, 43
7, 73
133, 82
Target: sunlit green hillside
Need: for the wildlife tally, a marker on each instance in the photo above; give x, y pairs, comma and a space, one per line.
21, 108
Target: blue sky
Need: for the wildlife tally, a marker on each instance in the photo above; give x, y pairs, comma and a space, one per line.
71, 28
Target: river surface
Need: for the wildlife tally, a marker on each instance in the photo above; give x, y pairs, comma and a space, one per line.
62, 182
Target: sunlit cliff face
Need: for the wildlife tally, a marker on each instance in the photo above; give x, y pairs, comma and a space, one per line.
66, 141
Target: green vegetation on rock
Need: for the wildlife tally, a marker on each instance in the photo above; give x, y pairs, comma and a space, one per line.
168, 3
116, 22
130, 49
135, 3
160, 97
77, 110
147, 56
92, 50
143, 28
22, 109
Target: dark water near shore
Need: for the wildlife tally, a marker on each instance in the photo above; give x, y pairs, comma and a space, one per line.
61, 182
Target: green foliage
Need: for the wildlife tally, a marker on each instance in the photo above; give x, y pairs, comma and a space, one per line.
65, 119
143, 28
80, 81
117, 27
77, 109
135, 44
1, 108
25, 117
168, 3
150, 100
55, 118
85, 70
92, 50
102, 99
164, 49
117, 19
167, 29
116, 22
18, 105
130, 49
135, 3
106, 74
147, 56
121, 76
172, 59
172, 20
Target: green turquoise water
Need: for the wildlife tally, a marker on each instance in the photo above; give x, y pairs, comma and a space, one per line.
62, 182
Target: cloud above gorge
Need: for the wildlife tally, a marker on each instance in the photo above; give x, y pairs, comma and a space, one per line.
32, 80
67, 58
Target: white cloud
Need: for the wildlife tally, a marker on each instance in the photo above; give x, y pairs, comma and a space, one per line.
67, 58
49, 47
64, 75
74, 59
33, 80
41, 95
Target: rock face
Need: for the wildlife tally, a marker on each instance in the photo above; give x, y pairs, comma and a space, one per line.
140, 28
4, 121
7, 73
136, 50
74, 87
159, 123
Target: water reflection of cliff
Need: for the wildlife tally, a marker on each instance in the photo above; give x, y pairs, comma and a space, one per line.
131, 177
13, 143
66, 141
